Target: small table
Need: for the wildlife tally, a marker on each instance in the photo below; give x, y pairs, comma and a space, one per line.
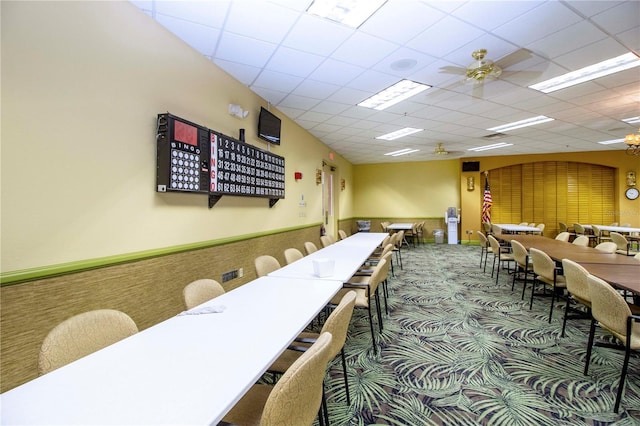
401, 226
510, 228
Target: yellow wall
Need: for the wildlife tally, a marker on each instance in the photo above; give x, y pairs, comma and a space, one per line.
82, 83
400, 190
626, 211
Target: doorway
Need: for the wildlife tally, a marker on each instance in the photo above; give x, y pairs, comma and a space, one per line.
328, 198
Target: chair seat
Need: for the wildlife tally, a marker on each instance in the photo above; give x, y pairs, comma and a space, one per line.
362, 300
560, 281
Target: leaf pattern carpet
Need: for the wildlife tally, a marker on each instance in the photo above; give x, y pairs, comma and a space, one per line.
459, 349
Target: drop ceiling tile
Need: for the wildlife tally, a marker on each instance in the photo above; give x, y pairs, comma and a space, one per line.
336, 72
207, 13
244, 50
294, 62
244, 73
444, 37
363, 50
492, 14
201, 38
315, 89
260, 20
285, 82
400, 25
316, 35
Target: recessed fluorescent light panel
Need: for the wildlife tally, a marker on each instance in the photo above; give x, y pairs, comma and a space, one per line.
348, 12
404, 89
399, 133
612, 141
610, 66
522, 123
488, 147
631, 120
402, 152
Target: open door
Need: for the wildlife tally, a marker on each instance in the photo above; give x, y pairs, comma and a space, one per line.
328, 199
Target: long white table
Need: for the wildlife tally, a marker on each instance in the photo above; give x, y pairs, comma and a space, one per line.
619, 229
190, 369
348, 256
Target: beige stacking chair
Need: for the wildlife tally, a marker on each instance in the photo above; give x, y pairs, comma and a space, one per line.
82, 335
485, 249
622, 244
295, 399
581, 240
547, 274
616, 316
310, 247
292, 254
265, 264
523, 264
577, 291
338, 325
500, 254
199, 291
326, 240
607, 246
581, 231
563, 236
342, 234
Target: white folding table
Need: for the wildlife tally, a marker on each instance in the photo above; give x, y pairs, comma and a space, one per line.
189, 369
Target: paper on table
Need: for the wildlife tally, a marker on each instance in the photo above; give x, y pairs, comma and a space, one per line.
214, 309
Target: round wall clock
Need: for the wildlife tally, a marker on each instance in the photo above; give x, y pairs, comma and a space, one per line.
632, 193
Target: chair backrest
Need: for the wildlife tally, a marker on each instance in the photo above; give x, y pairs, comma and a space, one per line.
399, 238
543, 265
540, 226
607, 246
564, 236
620, 240
379, 274
578, 229
265, 264
582, 240
342, 234
292, 254
608, 307
82, 335
325, 240
520, 253
523, 224
386, 240
486, 226
310, 247
532, 224
563, 227
626, 225
338, 322
495, 245
296, 397
596, 230
495, 229
387, 248
483, 240
199, 291
576, 277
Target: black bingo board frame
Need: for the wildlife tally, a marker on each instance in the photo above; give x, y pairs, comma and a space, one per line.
239, 169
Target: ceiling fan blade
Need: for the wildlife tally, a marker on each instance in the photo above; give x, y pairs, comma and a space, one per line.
478, 91
521, 77
513, 58
453, 70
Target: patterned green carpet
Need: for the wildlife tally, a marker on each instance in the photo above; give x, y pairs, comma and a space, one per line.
457, 349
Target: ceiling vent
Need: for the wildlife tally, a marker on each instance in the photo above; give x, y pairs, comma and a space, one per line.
494, 136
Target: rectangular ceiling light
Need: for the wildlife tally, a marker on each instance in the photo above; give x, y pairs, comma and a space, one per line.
348, 12
612, 141
399, 133
402, 152
522, 123
404, 89
631, 120
488, 147
610, 66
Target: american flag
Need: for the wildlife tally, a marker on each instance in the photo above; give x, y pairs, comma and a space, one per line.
487, 202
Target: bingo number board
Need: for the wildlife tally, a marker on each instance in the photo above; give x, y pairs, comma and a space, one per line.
182, 155
241, 169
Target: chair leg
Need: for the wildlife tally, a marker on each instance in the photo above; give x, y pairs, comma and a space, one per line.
346, 379
566, 314
373, 334
592, 332
623, 375
376, 296
524, 285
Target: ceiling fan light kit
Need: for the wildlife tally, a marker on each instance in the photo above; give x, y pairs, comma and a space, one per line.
482, 68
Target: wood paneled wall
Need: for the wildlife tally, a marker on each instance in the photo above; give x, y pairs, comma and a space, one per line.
553, 191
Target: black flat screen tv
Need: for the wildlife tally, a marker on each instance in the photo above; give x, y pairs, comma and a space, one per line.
269, 127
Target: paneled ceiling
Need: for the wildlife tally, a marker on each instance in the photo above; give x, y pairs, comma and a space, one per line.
315, 71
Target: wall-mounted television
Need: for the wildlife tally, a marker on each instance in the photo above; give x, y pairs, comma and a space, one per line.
269, 126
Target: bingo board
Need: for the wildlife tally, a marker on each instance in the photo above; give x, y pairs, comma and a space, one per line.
238, 168
194, 159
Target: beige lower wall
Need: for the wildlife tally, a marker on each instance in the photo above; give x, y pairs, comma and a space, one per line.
149, 291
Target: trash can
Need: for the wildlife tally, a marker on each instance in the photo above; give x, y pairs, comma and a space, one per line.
438, 235
364, 225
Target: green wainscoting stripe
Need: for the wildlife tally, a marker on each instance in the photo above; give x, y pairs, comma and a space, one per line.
16, 277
